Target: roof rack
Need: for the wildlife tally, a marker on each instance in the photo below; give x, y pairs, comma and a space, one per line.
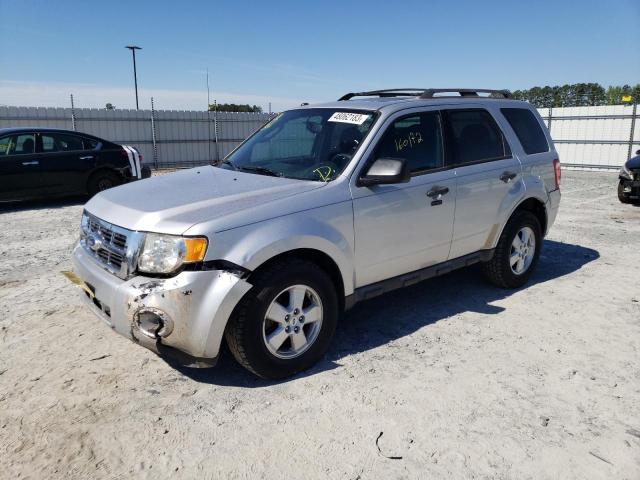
427, 93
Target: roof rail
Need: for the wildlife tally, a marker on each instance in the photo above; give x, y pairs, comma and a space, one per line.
427, 93
466, 92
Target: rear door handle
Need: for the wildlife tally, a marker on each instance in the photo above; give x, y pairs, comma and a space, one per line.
508, 176
35, 162
87, 157
437, 191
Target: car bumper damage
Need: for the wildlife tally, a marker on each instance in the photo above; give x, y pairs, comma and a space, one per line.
631, 188
182, 317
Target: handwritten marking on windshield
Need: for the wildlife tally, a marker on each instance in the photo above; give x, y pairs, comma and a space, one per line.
411, 140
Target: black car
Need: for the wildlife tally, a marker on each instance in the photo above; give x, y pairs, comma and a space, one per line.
41, 162
629, 186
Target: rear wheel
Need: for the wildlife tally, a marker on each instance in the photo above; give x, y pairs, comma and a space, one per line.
102, 180
621, 195
517, 253
285, 323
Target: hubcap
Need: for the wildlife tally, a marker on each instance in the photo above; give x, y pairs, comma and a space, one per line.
523, 250
292, 322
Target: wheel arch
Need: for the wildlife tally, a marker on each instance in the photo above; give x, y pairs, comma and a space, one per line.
318, 257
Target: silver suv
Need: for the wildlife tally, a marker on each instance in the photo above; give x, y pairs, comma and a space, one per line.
324, 206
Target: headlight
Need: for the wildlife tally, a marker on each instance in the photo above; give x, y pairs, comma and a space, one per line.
167, 253
625, 172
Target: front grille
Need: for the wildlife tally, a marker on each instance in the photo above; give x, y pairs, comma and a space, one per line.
108, 244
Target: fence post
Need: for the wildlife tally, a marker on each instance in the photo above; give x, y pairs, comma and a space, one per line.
215, 128
550, 118
633, 127
73, 115
153, 136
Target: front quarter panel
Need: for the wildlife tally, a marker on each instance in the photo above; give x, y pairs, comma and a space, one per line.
327, 229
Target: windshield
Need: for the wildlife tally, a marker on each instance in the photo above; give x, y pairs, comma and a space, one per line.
309, 144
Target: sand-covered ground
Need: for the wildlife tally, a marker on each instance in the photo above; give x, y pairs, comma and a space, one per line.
453, 378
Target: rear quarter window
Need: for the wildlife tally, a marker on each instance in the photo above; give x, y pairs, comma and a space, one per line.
527, 128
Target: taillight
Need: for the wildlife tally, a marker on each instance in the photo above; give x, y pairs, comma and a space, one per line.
124, 154
140, 156
558, 171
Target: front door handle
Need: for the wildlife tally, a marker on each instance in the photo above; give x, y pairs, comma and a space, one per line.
437, 191
35, 162
87, 157
506, 177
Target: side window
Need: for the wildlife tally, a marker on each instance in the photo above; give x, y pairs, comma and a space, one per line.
21, 144
5, 142
527, 129
60, 142
89, 143
474, 136
416, 138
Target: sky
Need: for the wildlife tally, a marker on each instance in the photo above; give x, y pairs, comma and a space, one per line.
299, 51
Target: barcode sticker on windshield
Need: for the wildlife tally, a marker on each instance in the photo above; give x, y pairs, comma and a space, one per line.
346, 117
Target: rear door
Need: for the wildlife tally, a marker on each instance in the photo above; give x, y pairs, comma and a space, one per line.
66, 160
19, 167
405, 227
488, 177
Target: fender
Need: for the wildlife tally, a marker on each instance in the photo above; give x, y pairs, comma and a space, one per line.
533, 187
253, 245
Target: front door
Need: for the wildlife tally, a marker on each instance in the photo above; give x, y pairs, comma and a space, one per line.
405, 227
19, 167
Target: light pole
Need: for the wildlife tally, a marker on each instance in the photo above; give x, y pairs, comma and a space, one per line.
133, 49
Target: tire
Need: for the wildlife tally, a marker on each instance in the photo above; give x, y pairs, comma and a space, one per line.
621, 195
102, 180
499, 270
251, 324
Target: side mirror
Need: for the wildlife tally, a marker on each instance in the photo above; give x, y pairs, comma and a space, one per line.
637, 152
386, 171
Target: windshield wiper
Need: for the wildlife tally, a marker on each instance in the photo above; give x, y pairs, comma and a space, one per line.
228, 162
259, 170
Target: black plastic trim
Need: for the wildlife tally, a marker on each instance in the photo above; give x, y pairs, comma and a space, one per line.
379, 288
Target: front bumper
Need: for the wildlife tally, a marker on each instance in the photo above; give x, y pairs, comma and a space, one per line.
198, 304
631, 188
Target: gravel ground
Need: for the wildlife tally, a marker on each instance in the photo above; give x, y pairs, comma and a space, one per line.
451, 378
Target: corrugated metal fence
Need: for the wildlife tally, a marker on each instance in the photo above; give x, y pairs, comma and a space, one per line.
594, 137
586, 137
166, 138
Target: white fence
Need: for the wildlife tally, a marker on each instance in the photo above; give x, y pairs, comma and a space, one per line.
594, 137
586, 137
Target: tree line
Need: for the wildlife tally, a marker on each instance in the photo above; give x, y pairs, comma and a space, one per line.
579, 95
233, 107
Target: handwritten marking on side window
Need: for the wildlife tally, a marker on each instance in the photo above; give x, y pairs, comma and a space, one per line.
412, 139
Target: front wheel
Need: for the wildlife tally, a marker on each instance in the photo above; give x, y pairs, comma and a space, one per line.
285, 323
517, 253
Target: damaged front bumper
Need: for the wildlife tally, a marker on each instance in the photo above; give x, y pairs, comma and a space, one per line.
182, 317
630, 188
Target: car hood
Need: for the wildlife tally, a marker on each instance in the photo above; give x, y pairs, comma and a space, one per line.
174, 202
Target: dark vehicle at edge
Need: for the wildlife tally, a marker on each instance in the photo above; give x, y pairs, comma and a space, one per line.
629, 186
48, 162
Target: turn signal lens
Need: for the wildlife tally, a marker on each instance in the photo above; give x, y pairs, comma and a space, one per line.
195, 249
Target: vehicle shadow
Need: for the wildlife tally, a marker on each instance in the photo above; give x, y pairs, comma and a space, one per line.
41, 204
368, 325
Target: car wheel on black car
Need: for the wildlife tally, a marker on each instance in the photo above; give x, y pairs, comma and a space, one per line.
285, 323
102, 180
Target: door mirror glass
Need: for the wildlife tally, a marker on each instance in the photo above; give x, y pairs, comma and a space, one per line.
637, 152
386, 171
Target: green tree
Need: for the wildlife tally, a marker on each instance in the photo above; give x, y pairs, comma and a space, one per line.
233, 107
